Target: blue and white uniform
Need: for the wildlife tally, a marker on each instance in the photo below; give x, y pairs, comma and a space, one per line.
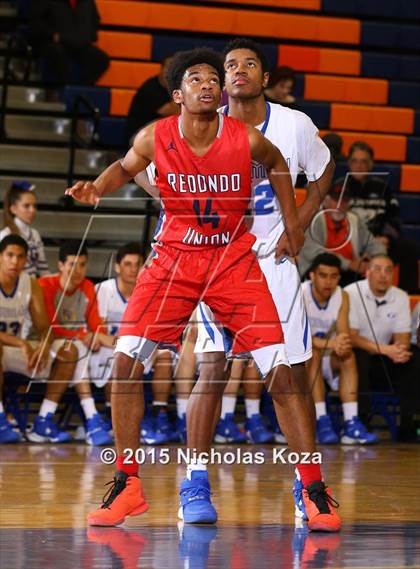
14, 312
297, 138
323, 320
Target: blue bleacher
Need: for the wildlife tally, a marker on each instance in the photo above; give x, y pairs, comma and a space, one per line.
399, 9
410, 208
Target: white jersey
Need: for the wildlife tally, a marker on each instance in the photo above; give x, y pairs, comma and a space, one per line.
322, 319
14, 307
378, 318
111, 304
296, 136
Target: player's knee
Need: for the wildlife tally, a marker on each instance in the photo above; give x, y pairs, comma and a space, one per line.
214, 372
68, 353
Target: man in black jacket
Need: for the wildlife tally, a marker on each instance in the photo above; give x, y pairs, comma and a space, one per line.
372, 200
62, 32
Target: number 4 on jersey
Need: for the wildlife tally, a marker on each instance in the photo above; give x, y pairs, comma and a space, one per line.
208, 215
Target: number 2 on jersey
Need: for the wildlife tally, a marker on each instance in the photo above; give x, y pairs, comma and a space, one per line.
263, 199
208, 215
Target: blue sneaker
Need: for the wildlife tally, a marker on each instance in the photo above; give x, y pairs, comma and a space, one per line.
164, 425
44, 430
181, 428
195, 504
300, 510
227, 431
106, 422
150, 435
325, 432
7, 433
256, 431
96, 435
355, 433
194, 544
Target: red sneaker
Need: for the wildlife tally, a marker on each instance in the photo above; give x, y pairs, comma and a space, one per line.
321, 508
127, 545
124, 498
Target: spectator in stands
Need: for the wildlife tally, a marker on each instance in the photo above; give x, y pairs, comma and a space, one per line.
152, 101
280, 86
19, 211
21, 295
371, 198
73, 314
343, 233
62, 32
333, 360
335, 144
380, 327
370, 195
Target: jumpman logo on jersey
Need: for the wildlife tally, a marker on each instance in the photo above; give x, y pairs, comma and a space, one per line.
171, 147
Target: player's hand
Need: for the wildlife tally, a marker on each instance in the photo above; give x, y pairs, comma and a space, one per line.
397, 353
28, 352
342, 344
39, 358
296, 239
84, 192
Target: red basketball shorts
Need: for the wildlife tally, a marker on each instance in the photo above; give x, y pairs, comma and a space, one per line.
228, 279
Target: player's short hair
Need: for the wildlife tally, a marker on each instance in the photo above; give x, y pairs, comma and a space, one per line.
13, 239
245, 43
361, 145
71, 247
325, 259
183, 60
129, 249
380, 256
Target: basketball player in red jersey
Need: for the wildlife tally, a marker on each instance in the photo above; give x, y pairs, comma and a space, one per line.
203, 252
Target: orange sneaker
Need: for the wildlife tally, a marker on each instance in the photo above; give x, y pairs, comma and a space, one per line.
321, 508
124, 498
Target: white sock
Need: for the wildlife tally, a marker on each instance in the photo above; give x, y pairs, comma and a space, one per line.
195, 464
252, 407
228, 405
108, 404
159, 403
321, 409
350, 410
48, 406
88, 406
181, 407
1, 407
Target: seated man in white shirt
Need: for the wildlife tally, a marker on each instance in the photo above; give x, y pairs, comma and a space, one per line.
380, 323
333, 360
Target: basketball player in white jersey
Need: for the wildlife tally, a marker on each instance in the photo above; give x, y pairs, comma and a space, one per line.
297, 138
19, 296
333, 359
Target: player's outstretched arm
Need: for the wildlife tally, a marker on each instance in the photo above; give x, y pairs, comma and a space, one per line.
278, 173
119, 172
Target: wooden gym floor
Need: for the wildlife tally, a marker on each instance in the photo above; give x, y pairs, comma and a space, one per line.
46, 491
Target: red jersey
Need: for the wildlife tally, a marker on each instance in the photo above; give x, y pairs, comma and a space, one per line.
75, 314
204, 198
